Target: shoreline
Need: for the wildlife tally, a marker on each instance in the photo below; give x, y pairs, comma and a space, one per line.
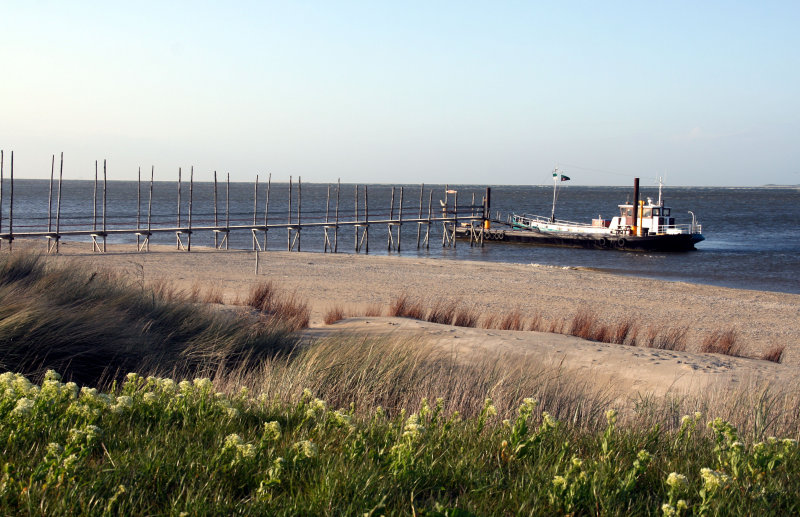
115, 248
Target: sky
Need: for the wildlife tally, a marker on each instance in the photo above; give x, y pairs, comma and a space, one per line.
701, 93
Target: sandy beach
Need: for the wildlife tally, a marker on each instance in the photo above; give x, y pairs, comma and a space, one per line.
760, 319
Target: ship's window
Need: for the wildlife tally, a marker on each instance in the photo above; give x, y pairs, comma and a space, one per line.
666, 212
647, 212
656, 211
627, 211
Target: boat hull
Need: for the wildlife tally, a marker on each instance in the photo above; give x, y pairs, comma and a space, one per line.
677, 242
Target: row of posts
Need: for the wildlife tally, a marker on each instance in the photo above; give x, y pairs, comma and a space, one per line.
331, 225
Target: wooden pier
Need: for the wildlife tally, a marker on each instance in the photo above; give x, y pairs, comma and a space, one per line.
468, 219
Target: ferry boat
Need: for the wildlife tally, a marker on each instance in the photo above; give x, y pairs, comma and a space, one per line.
640, 226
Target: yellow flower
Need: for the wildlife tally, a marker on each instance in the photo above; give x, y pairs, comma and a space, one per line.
23, 407
677, 481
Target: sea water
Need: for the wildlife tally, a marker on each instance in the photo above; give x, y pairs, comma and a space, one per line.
752, 234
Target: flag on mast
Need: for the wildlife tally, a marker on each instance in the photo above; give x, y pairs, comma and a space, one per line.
562, 177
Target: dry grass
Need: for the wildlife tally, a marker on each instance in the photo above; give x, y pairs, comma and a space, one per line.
512, 321
722, 342
489, 320
292, 311
398, 374
374, 310
774, 354
405, 307
93, 326
442, 312
466, 317
584, 324
209, 294
535, 324
623, 332
334, 314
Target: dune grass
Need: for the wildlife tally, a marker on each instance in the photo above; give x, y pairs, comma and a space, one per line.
346, 426
92, 325
584, 323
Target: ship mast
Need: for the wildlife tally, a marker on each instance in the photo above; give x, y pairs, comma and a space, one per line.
660, 184
555, 183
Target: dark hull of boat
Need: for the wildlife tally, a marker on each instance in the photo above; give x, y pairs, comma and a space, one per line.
680, 242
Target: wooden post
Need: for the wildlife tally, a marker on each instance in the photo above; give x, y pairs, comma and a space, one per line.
138, 206
289, 219
299, 205
191, 196
430, 213
355, 226
50, 198
336, 228
255, 209
94, 207
105, 188
11, 209
400, 220
391, 217
266, 210
178, 224
326, 241
227, 209
150, 206
366, 221
58, 204
2, 163
455, 216
216, 219
419, 216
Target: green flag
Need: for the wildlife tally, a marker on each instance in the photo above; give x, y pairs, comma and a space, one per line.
564, 178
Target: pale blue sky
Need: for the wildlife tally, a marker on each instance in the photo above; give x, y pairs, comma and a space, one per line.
703, 93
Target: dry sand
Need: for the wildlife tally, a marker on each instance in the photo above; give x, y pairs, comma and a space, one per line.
762, 320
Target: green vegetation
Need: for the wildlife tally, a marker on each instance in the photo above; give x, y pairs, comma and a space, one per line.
153, 446
250, 422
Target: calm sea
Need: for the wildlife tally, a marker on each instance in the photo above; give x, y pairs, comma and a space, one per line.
752, 234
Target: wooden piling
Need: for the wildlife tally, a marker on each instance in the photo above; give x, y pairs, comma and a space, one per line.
105, 189
2, 164
355, 226
419, 215
58, 204
216, 221
299, 206
336, 228
138, 206
266, 210
94, 206
150, 207
191, 197
11, 209
325, 239
227, 209
391, 218
428, 224
366, 221
50, 198
455, 216
178, 223
400, 220
255, 210
289, 219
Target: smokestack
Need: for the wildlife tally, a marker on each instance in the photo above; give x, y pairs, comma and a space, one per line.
635, 206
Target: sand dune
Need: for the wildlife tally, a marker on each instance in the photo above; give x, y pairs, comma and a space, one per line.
760, 319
